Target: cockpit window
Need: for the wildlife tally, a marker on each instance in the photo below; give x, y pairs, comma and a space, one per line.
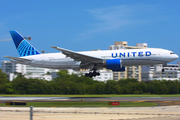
172, 53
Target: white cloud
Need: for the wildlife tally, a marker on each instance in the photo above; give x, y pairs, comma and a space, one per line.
110, 18
121, 17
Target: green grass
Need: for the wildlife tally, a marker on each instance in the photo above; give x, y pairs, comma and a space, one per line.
83, 104
111, 95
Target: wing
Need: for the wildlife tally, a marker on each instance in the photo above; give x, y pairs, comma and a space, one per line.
18, 59
78, 56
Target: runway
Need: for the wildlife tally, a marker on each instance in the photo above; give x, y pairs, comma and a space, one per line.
89, 98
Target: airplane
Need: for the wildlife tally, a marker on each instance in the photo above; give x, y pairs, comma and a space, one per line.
115, 60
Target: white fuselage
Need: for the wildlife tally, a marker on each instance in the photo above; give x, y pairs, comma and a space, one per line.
129, 57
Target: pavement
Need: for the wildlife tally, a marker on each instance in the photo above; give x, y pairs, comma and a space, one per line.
89, 98
66, 113
161, 101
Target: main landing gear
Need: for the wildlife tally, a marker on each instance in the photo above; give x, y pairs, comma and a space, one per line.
92, 74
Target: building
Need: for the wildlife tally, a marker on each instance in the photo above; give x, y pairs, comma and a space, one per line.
12, 69
104, 75
131, 72
8, 67
171, 72
35, 76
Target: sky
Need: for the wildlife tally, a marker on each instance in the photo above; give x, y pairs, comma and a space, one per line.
83, 25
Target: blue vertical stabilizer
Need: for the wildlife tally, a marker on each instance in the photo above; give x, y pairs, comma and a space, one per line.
23, 46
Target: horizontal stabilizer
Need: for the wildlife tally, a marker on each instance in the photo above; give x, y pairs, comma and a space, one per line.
18, 59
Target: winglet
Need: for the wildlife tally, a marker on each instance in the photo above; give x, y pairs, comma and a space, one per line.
57, 48
54, 47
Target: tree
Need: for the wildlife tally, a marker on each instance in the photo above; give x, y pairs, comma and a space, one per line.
20, 84
112, 87
63, 74
100, 88
3, 81
9, 88
3, 77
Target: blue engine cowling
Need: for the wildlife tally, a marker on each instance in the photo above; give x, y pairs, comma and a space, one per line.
115, 65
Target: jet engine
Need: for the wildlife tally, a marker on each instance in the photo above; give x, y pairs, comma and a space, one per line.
114, 65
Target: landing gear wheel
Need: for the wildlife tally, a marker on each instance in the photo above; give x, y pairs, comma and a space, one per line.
98, 74
87, 75
92, 74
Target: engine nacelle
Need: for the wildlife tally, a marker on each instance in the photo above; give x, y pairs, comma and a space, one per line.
114, 65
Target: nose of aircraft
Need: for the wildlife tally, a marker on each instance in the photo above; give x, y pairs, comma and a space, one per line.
175, 56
